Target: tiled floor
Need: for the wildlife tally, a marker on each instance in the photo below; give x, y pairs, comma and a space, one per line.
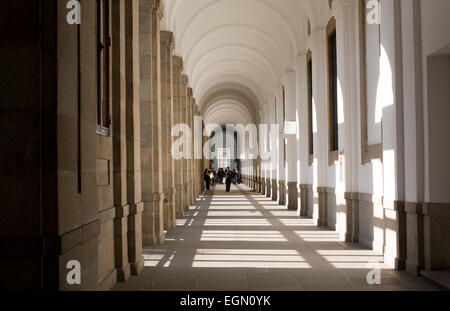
243, 241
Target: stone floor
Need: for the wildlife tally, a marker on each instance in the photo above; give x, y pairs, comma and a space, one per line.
245, 242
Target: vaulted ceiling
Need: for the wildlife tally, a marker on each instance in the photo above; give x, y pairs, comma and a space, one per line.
235, 52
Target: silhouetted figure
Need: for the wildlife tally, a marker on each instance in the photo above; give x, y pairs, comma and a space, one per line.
238, 177
207, 180
221, 175
229, 179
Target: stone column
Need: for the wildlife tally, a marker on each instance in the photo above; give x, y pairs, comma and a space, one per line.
320, 90
133, 134
291, 146
268, 161
198, 165
177, 63
167, 46
119, 141
393, 134
184, 120
346, 187
274, 148
306, 190
150, 14
263, 168
280, 116
193, 161
189, 160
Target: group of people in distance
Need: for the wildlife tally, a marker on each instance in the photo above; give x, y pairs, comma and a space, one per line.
213, 177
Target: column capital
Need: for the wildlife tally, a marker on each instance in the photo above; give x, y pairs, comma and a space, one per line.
167, 39
177, 62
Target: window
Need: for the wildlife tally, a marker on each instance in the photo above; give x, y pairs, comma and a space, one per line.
369, 152
309, 72
333, 124
103, 67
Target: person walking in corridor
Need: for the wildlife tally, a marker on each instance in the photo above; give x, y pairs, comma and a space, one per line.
207, 180
229, 178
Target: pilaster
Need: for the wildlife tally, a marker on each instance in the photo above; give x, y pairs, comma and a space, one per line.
293, 196
184, 120
177, 63
167, 108
150, 15
133, 134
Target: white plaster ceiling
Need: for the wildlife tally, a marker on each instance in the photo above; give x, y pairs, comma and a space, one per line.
235, 52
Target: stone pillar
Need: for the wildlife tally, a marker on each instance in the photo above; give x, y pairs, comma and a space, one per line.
304, 168
177, 63
195, 152
268, 187
291, 144
413, 121
167, 109
274, 190
119, 141
306, 196
189, 160
133, 134
274, 147
282, 192
150, 14
193, 160
263, 185
199, 166
293, 195
184, 120
393, 134
280, 115
322, 213
347, 74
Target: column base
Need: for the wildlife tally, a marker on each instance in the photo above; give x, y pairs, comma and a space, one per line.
274, 190
179, 210
153, 222
395, 221
185, 197
352, 217
154, 240
322, 218
135, 257
268, 188
415, 260
169, 209
292, 196
121, 243
306, 196
137, 266
123, 274
282, 192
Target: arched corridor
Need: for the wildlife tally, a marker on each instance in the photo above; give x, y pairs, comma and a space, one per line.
333, 114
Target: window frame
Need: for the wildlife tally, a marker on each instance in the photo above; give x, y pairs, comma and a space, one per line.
368, 152
333, 105
310, 90
103, 127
